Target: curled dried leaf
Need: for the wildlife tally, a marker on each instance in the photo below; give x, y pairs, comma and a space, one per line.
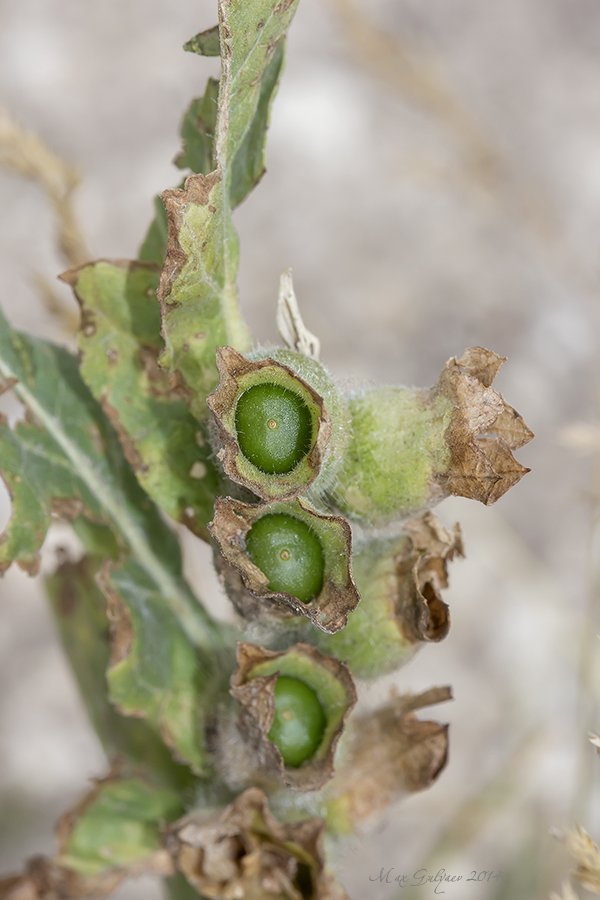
337, 594
253, 686
245, 852
424, 565
483, 429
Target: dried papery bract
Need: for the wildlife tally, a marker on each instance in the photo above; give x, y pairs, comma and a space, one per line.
400, 581
237, 377
245, 852
386, 755
338, 595
483, 430
253, 686
411, 448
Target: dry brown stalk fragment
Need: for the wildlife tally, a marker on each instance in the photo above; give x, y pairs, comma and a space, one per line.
26, 154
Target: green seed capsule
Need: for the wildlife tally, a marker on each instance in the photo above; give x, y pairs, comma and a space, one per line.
289, 553
274, 428
299, 722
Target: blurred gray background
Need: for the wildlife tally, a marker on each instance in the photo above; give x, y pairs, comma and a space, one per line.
434, 182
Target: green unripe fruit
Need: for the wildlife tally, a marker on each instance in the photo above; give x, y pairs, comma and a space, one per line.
299, 700
299, 722
274, 428
289, 553
281, 424
411, 448
292, 561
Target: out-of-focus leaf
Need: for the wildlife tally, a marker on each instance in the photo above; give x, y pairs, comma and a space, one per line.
198, 132
197, 287
117, 824
154, 671
98, 540
119, 344
68, 460
154, 245
206, 43
80, 612
179, 888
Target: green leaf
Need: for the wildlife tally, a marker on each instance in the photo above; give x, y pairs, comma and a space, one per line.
155, 672
179, 888
154, 245
80, 613
198, 131
248, 165
197, 288
206, 43
40, 485
98, 540
68, 460
253, 29
119, 344
117, 824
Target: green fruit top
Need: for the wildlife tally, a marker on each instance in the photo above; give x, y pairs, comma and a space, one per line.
274, 428
289, 553
299, 723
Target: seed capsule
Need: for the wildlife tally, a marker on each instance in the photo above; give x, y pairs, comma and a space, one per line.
273, 427
412, 448
283, 426
401, 607
290, 557
289, 553
244, 851
294, 705
299, 722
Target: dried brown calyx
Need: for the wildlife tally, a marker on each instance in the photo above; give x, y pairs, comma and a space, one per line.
387, 754
254, 686
246, 852
290, 557
483, 430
